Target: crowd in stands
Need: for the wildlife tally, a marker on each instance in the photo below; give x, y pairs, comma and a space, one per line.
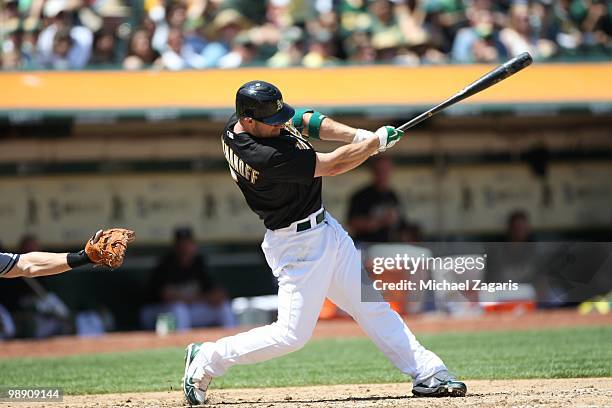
195, 34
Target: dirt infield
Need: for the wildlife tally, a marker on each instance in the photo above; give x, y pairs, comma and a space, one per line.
584, 392
61, 346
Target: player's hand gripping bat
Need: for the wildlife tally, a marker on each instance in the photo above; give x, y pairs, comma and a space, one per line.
498, 74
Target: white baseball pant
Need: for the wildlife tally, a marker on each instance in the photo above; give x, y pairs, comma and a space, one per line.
311, 265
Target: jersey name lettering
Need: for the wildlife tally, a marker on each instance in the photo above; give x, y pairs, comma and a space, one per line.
238, 166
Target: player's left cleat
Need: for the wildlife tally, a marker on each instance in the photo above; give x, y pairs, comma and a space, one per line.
194, 389
442, 384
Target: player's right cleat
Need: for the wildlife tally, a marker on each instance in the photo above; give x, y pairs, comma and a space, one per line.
194, 390
443, 384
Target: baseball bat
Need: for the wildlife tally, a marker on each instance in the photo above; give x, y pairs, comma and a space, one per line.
491, 78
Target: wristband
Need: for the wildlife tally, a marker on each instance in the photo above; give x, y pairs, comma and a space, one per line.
314, 124
76, 259
298, 117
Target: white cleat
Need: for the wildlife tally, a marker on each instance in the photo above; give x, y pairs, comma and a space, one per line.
194, 389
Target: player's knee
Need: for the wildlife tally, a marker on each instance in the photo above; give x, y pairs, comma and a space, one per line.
293, 343
292, 340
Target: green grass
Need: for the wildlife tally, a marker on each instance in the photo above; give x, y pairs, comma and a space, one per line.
576, 352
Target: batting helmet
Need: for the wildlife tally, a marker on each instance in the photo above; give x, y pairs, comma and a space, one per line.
263, 102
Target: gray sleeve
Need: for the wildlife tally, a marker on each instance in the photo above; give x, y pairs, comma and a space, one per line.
7, 261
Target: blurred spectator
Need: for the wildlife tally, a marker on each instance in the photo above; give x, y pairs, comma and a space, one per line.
443, 18
195, 40
176, 56
359, 47
584, 22
11, 60
181, 285
387, 37
61, 46
387, 47
278, 14
173, 16
290, 49
516, 260
10, 46
480, 42
384, 20
9, 10
243, 53
553, 20
18, 39
29, 39
321, 51
353, 17
141, 54
148, 25
104, 48
226, 25
594, 18
255, 10
518, 228
520, 37
374, 211
197, 52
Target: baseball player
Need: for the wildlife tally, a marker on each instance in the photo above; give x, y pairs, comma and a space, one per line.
280, 174
104, 247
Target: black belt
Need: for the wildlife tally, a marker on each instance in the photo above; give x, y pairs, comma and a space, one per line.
306, 225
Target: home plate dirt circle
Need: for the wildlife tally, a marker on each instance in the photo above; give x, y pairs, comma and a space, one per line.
575, 392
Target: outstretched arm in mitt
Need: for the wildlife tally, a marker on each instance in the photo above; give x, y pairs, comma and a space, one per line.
104, 248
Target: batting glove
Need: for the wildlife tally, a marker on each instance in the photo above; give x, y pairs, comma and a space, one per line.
388, 136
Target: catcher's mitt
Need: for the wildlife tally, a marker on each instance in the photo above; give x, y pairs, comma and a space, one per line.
108, 247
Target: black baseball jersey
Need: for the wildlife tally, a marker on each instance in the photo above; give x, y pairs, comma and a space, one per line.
275, 174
